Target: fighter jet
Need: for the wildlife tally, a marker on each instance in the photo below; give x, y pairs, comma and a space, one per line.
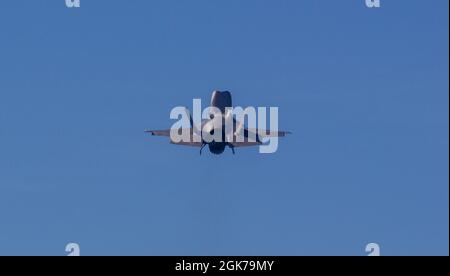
235, 137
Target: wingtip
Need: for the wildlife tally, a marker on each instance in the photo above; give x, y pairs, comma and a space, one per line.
149, 131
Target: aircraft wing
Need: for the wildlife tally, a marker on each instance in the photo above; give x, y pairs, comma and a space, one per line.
248, 137
258, 133
245, 144
245, 139
165, 132
267, 133
190, 144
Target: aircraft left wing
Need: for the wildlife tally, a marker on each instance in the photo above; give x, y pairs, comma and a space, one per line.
267, 133
258, 133
245, 144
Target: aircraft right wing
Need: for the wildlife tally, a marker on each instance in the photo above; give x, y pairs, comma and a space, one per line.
165, 132
191, 144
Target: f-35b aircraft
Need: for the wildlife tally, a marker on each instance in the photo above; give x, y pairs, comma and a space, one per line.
235, 137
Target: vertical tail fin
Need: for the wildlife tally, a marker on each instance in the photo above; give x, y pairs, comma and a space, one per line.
221, 100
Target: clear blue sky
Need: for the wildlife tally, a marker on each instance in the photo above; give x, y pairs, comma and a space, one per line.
365, 92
